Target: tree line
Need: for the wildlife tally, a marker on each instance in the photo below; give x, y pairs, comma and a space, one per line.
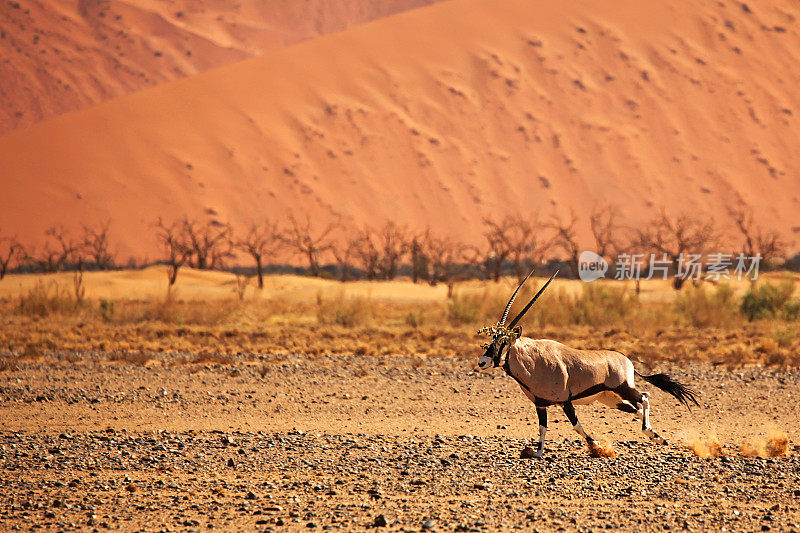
512, 242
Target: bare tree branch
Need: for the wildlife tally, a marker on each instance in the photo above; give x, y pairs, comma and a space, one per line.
607, 232
496, 234
211, 242
419, 259
677, 237
755, 239
566, 238
344, 250
11, 254
527, 242
59, 248
96, 246
176, 245
365, 252
394, 245
449, 260
310, 242
260, 241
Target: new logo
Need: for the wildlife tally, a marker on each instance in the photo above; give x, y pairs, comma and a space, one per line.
591, 266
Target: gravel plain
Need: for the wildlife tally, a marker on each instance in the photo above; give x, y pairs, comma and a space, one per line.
90, 442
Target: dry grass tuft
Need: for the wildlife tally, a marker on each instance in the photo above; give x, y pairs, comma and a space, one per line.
707, 447
701, 307
775, 445
343, 311
138, 358
45, 299
8, 363
601, 448
47, 317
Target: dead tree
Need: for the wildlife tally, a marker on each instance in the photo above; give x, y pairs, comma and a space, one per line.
44, 259
59, 248
96, 246
607, 232
419, 259
756, 240
66, 248
527, 242
210, 242
176, 245
441, 251
477, 261
679, 239
309, 241
566, 238
448, 261
497, 236
344, 251
260, 241
366, 252
11, 253
393, 246
631, 249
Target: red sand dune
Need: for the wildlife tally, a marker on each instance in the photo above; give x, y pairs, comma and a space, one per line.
62, 55
441, 116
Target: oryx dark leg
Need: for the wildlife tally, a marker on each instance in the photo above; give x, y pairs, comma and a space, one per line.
569, 410
644, 414
641, 400
542, 413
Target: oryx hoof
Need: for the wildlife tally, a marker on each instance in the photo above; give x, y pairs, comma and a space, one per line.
530, 453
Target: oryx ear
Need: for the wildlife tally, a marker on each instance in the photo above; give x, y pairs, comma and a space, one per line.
518, 331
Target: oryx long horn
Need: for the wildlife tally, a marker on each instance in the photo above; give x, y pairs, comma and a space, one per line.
511, 301
525, 309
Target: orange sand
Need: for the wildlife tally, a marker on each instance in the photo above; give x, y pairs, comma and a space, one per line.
441, 116
63, 55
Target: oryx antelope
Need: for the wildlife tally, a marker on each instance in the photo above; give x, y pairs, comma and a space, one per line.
551, 373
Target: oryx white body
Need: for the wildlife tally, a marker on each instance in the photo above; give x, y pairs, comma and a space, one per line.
557, 373
551, 373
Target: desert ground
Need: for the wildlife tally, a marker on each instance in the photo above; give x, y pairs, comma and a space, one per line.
237, 423
143, 131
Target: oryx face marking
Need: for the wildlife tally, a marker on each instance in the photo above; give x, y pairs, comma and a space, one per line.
504, 336
493, 354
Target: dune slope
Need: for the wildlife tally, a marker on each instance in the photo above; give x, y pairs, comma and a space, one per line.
441, 116
62, 55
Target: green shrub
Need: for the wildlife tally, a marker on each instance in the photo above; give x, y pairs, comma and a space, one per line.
107, 310
769, 300
791, 310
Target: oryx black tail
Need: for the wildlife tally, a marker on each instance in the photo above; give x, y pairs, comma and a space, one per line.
683, 393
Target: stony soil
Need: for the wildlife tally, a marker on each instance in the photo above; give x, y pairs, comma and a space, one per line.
363, 442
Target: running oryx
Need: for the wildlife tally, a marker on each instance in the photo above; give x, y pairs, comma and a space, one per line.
551, 373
